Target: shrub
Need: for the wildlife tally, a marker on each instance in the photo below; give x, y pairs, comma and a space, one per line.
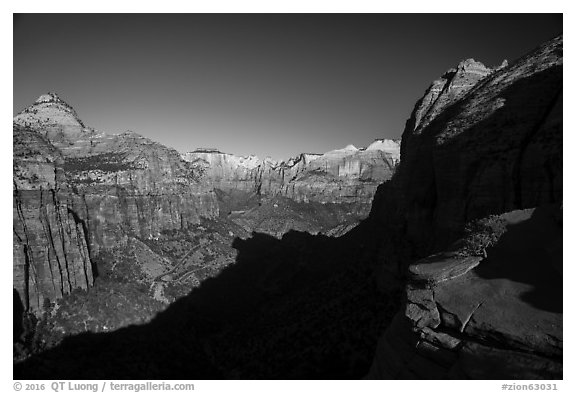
482, 234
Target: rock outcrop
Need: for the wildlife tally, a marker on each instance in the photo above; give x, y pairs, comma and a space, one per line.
348, 175
225, 171
77, 189
480, 143
497, 316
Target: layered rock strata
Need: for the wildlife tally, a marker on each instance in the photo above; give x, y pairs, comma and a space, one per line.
348, 175
89, 190
108, 186
50, 242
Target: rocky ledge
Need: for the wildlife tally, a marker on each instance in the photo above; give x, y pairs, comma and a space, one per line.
496, 316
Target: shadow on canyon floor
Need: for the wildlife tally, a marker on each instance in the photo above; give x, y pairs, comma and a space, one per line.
300, 307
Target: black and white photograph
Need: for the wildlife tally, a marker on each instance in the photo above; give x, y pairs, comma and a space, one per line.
286, 196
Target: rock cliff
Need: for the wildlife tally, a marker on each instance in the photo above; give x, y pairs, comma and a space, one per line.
225, 171
50, 242
482, 300
348, 175
78, 190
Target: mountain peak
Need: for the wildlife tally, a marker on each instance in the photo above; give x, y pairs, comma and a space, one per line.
473, 66
350, 148
49, 111
54, 98
385, 145
49, 97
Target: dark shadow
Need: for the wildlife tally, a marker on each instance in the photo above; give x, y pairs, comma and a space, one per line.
300, 307
480, 170
504, 162
17, 315
500, 163
530, 252
521, 154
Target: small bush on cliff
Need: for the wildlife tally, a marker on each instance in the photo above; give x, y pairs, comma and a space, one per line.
481, 234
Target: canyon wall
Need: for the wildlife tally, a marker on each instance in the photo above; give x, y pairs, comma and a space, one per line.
482, 300
225, 171
77, 190
50, 242
348, 175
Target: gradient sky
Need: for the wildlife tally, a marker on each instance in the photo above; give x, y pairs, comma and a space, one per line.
258, 84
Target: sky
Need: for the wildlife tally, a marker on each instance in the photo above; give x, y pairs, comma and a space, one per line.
266, 84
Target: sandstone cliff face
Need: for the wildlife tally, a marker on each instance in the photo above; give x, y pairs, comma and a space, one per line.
225, 171
348, 175
494, 146
114, 185
50, 249
132, 184
97, 189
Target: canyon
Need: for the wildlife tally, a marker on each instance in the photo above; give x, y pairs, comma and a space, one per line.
437, 257
78, 191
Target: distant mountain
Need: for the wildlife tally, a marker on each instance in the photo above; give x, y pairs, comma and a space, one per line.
348, 175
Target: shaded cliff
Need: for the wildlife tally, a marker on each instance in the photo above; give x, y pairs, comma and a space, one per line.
497, 148
488, 303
